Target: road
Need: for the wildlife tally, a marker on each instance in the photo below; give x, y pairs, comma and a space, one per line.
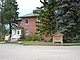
20, 52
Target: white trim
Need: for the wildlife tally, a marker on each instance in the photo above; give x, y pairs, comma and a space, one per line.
27, 23
38, 20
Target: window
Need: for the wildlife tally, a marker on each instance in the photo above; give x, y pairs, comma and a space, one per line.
26, 31
18, 32
27, 22
38, 20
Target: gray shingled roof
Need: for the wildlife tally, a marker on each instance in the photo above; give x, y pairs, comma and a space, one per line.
30, 15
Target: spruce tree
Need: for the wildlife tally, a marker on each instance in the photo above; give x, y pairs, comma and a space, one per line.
62, 16
46, 16
70, 19
1, 15
10, 12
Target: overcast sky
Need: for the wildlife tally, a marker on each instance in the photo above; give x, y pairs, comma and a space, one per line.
27, 6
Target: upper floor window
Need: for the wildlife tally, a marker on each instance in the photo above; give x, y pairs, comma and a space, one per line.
27, 22
38, 20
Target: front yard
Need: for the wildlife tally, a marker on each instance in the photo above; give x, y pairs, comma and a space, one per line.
49, 43
40, 43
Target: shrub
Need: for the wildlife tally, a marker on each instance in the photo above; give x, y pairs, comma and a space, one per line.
1, 40
28, 38
36, 38
32, 38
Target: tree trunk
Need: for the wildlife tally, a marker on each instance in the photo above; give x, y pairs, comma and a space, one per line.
10, 32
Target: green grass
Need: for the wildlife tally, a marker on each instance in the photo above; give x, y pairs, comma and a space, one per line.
71, 44
43, 43
11, 42
36, 43
49, 43
1, 40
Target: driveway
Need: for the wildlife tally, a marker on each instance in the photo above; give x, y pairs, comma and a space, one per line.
19, 52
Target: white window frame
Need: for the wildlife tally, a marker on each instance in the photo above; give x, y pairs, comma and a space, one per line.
38, 20
28, 22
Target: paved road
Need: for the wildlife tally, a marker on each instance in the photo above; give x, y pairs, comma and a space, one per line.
19, 52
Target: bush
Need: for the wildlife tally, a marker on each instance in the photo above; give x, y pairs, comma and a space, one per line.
28, 38
1, 38
32, 38
36, 38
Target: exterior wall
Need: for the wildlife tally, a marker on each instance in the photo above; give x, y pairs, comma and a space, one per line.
31, 26
16, 31
13, 32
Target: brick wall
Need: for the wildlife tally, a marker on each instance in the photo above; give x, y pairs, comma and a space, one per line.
31, 25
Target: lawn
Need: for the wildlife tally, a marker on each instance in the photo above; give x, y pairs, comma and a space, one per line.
42, 43
49, 43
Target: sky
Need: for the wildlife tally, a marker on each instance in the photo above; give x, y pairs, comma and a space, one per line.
27, 6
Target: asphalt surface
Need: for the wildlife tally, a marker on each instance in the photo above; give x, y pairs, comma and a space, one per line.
19, 52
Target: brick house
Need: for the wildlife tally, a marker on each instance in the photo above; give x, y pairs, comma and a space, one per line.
28, 23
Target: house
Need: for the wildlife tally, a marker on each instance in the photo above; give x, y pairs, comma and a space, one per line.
15, 29
28, 23
16, 33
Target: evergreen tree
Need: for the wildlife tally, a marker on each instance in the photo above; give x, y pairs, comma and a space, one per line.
46, 16
1, 15
62, 16
70, 19
10, 10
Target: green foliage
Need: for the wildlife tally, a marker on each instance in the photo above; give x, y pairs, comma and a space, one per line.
23, 34
32, 38
35, 38
10, 9
62, 16
1, 38
28, 38
10, 13
46, 16
1, 16
69, 16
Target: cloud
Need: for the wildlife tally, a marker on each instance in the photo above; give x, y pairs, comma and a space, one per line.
27, 6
